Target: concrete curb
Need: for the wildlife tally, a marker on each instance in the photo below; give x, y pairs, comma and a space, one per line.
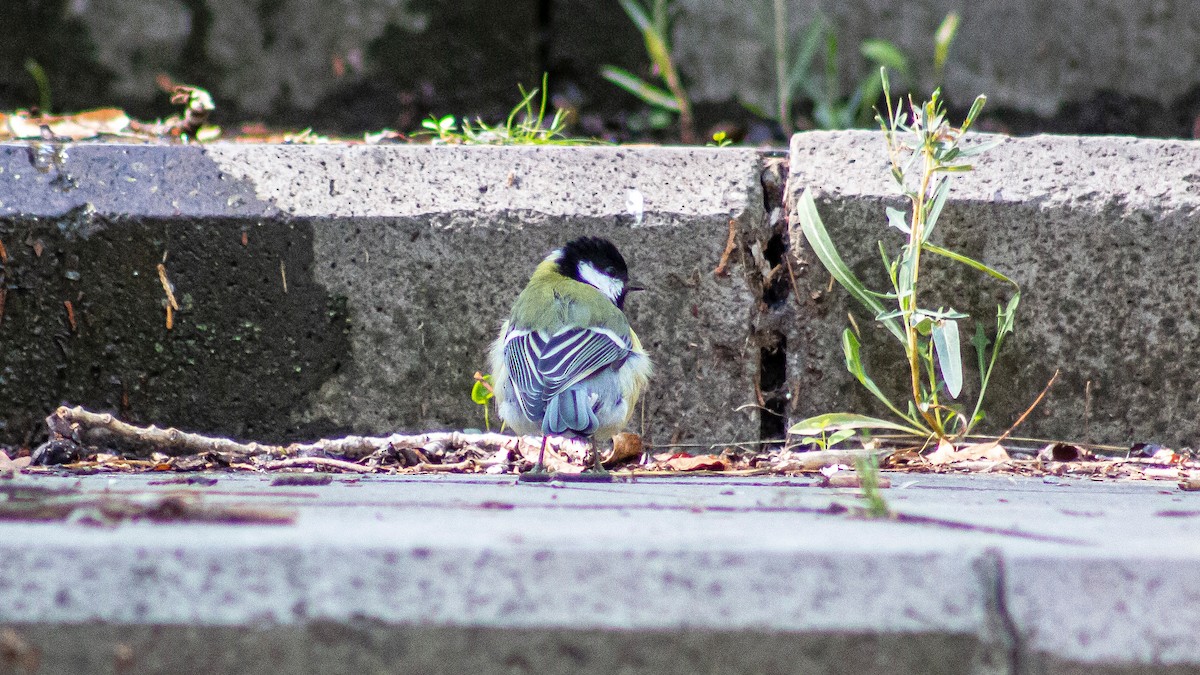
364, 281
1099, 233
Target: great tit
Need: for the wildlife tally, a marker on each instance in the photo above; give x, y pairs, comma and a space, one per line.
567, 362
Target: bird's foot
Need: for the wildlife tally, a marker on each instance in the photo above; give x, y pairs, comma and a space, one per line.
594, 475
538, 474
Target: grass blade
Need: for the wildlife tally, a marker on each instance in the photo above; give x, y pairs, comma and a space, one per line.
637, 14
885, 54
639, 88
808, 49
941, 44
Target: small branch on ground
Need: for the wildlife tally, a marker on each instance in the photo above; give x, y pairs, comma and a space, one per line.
317, 462
439, 451
1028, 410
819, 459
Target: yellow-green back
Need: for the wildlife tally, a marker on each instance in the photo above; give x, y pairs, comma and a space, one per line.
551, 302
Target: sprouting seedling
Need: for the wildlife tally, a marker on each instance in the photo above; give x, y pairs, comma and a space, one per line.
867, 469
38, 74
482, 394
442, 127
527, 124
719, 140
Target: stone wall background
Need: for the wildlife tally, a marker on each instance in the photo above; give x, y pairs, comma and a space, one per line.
351, 65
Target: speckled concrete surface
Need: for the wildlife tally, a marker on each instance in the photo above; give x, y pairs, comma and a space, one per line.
330, 289
1028, 576
1099, 232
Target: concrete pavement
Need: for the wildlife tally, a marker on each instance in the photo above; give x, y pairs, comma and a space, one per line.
478, 574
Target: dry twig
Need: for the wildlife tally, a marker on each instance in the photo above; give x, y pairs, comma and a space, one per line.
1028, 410
328, 462
730, 244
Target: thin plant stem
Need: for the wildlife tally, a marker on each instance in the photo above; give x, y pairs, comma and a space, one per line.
781, 70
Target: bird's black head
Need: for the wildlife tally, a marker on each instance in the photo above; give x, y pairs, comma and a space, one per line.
596, 262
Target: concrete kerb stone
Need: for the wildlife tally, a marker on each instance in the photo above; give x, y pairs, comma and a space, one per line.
1099, 232
330, 289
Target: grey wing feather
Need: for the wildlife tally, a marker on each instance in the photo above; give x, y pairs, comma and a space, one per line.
543, 366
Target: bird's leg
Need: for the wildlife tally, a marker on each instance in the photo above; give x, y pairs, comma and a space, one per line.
538, 473
540, 467
595, 474
597, 467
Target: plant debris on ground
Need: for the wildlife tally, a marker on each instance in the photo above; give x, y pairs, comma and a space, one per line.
85, 442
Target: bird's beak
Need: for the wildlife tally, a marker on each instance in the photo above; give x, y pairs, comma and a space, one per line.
631, 286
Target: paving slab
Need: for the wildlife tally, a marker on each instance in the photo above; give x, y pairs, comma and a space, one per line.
1016, 576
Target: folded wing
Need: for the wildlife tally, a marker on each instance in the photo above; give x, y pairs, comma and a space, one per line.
543, 366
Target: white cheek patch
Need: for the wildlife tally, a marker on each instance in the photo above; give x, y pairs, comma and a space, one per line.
610, 287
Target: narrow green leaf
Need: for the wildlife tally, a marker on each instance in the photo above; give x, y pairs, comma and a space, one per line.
980, 342
972, 150
942, 40
654, 35
838, 421
970, 262
885, 54
661, 15
850, 348
904, 278
935, 207
525, 104
660, 53
637, 14
802, 62
946, 345
639, 88
976, 108
814, 231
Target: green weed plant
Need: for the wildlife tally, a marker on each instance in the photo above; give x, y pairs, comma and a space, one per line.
526, 124
924, 151
797, 79
654, 23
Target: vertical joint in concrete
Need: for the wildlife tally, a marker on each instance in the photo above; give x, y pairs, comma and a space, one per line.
1002, 633
775, 289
